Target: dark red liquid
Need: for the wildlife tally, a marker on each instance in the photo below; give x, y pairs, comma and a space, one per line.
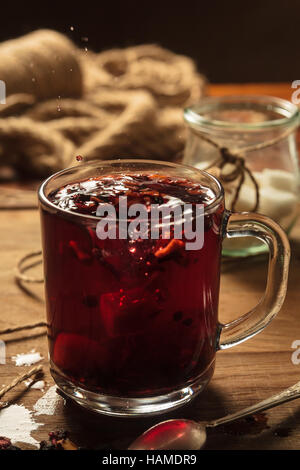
125, 318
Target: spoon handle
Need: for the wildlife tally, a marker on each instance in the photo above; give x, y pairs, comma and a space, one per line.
289, 394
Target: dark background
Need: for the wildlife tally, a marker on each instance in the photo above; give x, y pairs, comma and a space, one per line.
232, 41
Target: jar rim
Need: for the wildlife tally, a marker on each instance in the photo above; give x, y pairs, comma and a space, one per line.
195, 115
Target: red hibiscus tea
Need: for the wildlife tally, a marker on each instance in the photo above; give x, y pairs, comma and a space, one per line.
129, 318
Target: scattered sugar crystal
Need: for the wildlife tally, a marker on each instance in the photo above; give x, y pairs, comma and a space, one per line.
38, 385
27, 359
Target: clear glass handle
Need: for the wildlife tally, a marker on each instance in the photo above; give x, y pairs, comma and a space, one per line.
268, 231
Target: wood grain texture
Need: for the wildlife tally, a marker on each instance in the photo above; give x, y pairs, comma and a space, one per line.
244, 375
282, 90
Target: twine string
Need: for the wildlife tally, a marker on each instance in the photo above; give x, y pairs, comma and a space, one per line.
237, 157
21, 268
117, 102
7, 331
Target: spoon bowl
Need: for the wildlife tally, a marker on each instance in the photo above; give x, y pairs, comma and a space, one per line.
177, 434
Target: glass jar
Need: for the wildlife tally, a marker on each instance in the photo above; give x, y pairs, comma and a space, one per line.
262, 131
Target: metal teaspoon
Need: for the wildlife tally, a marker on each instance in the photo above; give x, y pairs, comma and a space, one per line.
185, 434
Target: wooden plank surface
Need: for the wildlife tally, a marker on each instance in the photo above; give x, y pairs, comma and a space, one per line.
244, 375
282, 90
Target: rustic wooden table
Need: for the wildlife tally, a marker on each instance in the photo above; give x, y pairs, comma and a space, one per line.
244, 375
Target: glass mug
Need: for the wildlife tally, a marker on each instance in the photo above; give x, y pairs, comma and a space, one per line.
131, 333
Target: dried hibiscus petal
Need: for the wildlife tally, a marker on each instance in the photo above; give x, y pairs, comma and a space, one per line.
5, 444
127, 311
173, 246
81, 255
58, 440
73, 352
